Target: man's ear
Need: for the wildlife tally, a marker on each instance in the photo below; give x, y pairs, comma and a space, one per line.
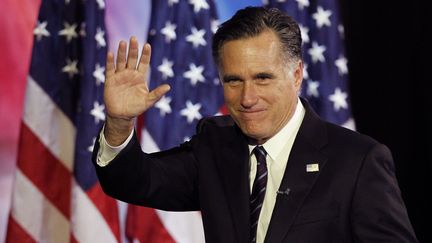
298, 74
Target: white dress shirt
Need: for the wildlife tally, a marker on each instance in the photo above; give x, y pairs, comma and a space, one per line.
278, 149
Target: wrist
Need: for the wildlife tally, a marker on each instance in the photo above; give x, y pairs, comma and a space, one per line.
117, 130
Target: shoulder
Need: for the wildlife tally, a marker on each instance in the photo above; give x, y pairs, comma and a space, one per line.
322, 133
345, 135
215, 122
348, 143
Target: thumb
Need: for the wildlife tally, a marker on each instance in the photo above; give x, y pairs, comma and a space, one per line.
157, 93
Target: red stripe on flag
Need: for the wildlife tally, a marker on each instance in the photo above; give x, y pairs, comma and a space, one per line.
15, 233
107, 206
72, 239
144, 225
223, 110
47, 173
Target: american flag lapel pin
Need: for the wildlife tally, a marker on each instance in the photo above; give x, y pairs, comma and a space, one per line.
312, 167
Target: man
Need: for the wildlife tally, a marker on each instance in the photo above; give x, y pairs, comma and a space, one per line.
271, 171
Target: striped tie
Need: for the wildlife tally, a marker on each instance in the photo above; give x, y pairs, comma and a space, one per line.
258, 190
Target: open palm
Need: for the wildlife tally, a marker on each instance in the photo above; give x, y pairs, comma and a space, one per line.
126, 93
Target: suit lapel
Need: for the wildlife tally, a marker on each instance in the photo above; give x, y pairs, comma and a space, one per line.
297, 182
234, 170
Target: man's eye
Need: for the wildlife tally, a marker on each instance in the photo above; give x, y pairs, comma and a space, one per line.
263, 80
264, 76
232, 82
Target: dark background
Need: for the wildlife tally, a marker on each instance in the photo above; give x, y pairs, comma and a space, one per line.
390, 63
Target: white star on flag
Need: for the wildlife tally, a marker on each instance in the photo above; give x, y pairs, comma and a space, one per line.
82, 31
312, 88
101, 4
41, 31
166, 69
302, 3
322, 17
304, 33
171, 2
191, 111
164, 105
317, 52
99, 74
197, 37
305, 71
98, 112
199, 4
169, 31
339, 99
99, 37
214, 25
90, 148
68, 31
194, 74
341, 64
341, 31
71, 68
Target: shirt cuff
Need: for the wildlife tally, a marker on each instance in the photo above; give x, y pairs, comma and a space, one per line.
107, 152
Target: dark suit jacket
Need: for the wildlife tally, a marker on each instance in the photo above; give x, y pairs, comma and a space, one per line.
354, 197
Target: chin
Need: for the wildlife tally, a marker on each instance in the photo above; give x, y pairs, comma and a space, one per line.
254, 135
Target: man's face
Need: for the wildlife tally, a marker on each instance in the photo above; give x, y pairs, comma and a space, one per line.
260, 92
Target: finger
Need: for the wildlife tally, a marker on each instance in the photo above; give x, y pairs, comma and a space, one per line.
145, 58
121, 56
110, 67
132, 53
157, 93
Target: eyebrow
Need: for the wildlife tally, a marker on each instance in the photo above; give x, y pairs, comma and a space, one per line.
227, 78
262, 75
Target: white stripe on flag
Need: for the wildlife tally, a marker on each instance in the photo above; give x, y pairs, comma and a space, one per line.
49, 123
88, 224
35, 214
148, 145
184, 227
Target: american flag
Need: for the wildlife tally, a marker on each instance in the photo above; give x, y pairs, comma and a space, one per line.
180, 33
56, 195
325, 83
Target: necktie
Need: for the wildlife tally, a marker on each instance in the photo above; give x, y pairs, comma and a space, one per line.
258, 190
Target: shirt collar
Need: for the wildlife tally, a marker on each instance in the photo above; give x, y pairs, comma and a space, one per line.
275, 144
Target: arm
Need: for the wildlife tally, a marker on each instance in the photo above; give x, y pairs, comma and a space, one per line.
378, 211
165, 180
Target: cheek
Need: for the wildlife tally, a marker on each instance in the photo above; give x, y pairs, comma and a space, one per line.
230, 96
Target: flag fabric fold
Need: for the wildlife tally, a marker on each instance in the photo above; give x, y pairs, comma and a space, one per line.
56, 196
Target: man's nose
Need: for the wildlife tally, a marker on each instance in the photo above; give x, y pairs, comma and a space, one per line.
249, 95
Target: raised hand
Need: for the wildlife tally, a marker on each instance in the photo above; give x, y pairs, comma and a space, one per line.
126, 94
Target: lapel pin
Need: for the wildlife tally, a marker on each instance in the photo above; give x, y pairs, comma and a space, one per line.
283, 192
312, 167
